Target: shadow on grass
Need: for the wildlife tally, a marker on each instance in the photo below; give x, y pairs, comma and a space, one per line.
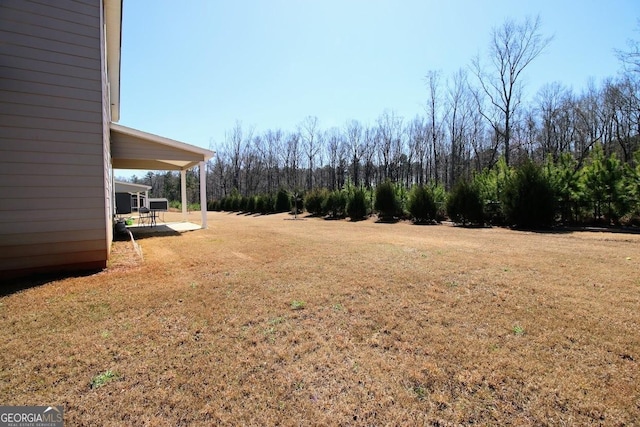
387, 220
358, 219
12, 286
586, 229
147, 232
470, 226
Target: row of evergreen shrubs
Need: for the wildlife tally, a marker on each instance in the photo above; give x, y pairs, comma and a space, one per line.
349, 202
260, 204
530, 196
526, 200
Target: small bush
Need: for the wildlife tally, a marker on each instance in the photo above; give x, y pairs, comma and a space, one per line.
464, 205
269, 203
422, 206
387, 204
260, 204
357, 205
440, 199
283, 201
529, 199
250, 206
234, 205
314, 201
335, 205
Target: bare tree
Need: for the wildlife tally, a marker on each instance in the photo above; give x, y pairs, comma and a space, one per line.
555, 111
369, 151
513, 47
435, 123
390, 134
308, 131
291, 155
354, 141
458, 118
334, 146
631, 58
235, 145
419, 145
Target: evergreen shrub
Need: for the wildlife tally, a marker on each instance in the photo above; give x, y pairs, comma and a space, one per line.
422, 206
357, 205
314, 201
464, 205
529, 199
335, 205
283, 201
387, 204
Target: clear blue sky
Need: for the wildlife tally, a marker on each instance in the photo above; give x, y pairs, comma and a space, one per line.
192, 68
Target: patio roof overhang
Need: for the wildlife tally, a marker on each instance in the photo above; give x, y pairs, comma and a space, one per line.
129, 187
135, 149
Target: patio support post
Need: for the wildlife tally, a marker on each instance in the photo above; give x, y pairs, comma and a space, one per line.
203, 194
183, 191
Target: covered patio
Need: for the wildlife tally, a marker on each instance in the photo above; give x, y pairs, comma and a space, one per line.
135, 149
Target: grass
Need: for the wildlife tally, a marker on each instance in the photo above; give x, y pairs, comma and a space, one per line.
387, 336
518, 330
103, 379
297, 305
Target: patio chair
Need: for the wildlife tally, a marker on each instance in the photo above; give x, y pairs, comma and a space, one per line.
146, 216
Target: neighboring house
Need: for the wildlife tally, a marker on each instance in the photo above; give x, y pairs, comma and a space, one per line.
133, 195
59, 99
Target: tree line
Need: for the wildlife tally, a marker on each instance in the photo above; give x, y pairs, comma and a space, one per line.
476, 122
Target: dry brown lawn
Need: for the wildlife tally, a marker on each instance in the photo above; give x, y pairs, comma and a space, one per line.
270, 321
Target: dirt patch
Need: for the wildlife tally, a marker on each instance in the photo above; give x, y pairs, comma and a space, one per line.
124, 256
333, 322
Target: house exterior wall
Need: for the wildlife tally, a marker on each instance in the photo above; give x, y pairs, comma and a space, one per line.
55, 178
109, 193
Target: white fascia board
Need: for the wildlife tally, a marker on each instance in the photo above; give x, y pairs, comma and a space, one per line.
113, 22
